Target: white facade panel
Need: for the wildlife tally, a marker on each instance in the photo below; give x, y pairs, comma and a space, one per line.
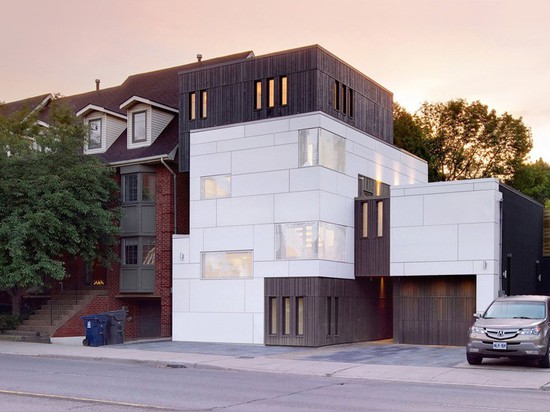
203, 148
245, 143
487, 287
360, 138
214, 295
217, 134
210, 165
301, 268
180, 249
229, 238
476, 241
424, 243
306, 121
297, 207
464, 207
338, 270
282, 157
188, 271
307, 179
245, 210
407, 211
258, 328
254, 295
279, 125
260, 183
273, 269
286, 138
203, 212
180, 295
213, 327
196, 245
333, 208
453, 267
264, 242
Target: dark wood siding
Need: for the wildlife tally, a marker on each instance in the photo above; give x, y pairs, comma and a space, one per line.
359, 310
311, 73
372, 253
433, 310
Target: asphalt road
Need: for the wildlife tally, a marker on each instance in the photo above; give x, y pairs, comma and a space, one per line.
31, 384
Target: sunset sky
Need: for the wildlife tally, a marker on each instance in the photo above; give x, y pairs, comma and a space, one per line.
495, 51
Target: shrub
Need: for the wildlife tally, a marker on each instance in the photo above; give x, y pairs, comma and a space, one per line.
8, 321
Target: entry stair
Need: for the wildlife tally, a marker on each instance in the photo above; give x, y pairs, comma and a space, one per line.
51, 316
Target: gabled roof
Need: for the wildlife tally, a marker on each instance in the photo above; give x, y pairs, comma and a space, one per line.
30, 104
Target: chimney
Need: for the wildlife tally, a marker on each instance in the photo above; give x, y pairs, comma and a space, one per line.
97, 81
199, 57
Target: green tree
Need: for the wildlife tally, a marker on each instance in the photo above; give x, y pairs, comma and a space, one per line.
55, 202
469, 141
533, 179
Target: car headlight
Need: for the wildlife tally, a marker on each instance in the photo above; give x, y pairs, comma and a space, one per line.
477, 329
530, 331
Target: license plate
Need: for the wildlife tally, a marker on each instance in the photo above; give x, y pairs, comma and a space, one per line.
500, 345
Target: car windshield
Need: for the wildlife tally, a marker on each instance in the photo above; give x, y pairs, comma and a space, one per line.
517, 310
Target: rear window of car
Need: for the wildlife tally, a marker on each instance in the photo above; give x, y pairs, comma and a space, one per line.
516, 310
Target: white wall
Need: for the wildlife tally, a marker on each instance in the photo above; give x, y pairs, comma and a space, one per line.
448, 228
267, 188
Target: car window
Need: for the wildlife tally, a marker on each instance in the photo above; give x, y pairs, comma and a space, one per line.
516, 309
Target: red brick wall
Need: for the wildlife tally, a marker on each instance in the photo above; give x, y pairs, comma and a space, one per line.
75, 326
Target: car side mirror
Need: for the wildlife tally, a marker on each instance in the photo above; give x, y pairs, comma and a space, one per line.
478, 315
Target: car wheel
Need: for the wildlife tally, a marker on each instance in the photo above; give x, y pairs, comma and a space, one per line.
544, 362
474, 359
86, 342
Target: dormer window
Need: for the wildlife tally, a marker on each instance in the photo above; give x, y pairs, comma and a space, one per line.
95, 138
139, 127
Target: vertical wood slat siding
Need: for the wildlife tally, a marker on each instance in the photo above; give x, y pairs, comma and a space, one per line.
364, 313
372, 254
546, 233
433, 310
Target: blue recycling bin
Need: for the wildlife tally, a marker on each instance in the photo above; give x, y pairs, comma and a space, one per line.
95, 327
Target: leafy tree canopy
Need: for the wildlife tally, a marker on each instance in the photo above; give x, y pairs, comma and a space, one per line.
533, 179
54, 201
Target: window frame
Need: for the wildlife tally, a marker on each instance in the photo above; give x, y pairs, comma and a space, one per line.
248, 275
258, 95
192, 106
203, 109
283, 90
271, 93
134, 114
90, 123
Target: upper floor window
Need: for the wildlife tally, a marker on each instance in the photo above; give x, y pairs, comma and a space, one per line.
236, 264
270, 93
258, 94
138, 187
139, 127
192, 106
319, 147
213, 187
96, 134
204, 104
343, 98
283, 90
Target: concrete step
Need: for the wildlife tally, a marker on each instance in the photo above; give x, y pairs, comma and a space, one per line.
43, 329
23, 337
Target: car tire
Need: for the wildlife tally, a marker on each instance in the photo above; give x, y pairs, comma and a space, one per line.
544, 362
474, 359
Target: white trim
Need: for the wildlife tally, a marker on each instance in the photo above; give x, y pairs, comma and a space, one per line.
136, 99
151, 159
92, 107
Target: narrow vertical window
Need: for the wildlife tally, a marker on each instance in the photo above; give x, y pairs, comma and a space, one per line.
300, 315
380, 222
344, 99
148, 187
337, 95
130, 250
329, 315
258, 94
283, 92
270, 93
272, 316
139, 127
148, 251
204, 104
350, 102
365, 220
130, 188
336, 315
286, 316
192, 106
95, 139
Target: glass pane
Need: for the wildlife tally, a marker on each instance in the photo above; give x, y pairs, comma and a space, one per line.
130, 192
148, 251
258, 95
95, 134
365, 219
192, 105
332, 150
273, 316
204, 103
309, 150
227, 265
286, 314
139, 126
130, 250
215, 187
380, 223
296, 241
299, 316
284, 91
148, 191
332, 242
271, 92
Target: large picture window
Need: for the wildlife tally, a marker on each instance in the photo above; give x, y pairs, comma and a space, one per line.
310, 240
228, 265
319, 147
95, 138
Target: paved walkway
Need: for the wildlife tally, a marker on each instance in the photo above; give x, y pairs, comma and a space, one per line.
367, 360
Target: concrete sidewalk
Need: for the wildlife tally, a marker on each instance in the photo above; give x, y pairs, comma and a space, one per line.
402, 363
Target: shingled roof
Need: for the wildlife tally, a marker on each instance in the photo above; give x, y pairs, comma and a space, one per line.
30, 104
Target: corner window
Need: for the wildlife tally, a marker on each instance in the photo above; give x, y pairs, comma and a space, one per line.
319, 147
139, 187
139, 127
283, 90
192, 106
213, 187
148, 187
148, 251
310, 240
227, 265
270, 93
258, 95
95, 136
129, 188
204, 104
130, 251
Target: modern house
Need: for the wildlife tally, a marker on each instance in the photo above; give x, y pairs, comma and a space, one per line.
264, 202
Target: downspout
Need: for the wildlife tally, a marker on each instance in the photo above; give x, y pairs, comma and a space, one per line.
175, 191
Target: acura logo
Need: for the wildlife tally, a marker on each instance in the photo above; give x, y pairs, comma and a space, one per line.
500, 333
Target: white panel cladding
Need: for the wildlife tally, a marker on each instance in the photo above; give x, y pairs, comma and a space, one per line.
260, 183
487, 287
213, 295
273, 269
180, 295
464, 207
452, 267
264, 242
214, 327
203, 148
336, 269
159, 121
204, 213
245, 210
254, 295
195, 188
114, 128
197, 245
259, 328
476, 241
297, 207
210, 165
306, 121
334, 208
424, 243
180, 249
298, 268
265, 159
216, 134
407, 211
269, 126
245, 143
286, 138
229, 238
